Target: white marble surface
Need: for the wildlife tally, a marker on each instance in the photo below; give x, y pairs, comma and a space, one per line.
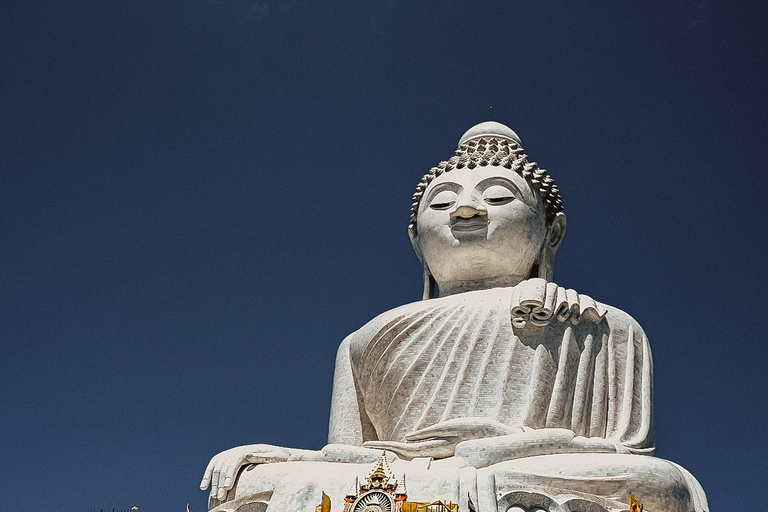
507, 388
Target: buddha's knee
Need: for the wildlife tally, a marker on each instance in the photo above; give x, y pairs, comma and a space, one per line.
659, 484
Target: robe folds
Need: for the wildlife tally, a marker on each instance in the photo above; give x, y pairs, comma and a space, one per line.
534, 356
463, 356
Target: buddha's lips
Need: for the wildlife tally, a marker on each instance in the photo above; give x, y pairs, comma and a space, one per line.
475, 223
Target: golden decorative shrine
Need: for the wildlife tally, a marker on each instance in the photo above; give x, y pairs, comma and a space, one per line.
381, 492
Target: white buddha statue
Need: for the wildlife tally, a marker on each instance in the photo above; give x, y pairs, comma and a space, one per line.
506, 390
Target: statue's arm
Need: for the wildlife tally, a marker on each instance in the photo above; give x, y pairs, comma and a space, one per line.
628, 383
349, 424
480, 442
533, 442
628, 421
630, 386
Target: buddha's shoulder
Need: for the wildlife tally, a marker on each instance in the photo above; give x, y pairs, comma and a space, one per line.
622, 322
581, 309
424, 308
387, 318
397, 318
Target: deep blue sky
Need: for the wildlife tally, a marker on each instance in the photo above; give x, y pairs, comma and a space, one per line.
200, 199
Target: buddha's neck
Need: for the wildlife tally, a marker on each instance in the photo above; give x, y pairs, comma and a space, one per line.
454, 287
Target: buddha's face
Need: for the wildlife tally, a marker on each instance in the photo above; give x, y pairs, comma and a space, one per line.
480, 224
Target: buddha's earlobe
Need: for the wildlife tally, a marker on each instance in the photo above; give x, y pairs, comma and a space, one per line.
542, 268
555, 234
429, 284
429, 280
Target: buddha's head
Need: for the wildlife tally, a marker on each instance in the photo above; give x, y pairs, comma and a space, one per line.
487, 217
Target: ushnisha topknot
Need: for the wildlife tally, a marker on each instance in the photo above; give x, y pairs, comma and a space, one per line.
492, 143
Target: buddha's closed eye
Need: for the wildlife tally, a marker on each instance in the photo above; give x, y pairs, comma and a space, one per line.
443, 200
498, 195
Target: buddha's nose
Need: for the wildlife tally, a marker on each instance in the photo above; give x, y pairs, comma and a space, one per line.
468, 206
467, 211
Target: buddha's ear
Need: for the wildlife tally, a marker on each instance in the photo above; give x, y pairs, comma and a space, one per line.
556, 231
415, 243
554, 237
429, 280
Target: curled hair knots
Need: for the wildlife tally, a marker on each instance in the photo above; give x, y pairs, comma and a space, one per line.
501, 152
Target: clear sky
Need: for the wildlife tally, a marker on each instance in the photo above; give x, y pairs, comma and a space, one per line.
199, 200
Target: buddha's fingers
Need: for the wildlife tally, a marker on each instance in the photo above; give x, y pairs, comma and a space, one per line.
228, 469
206, 476
432, 432
225, 476
463, 429
483, 452
215, 482
435, 448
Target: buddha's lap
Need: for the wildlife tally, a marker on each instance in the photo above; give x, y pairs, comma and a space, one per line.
656, 482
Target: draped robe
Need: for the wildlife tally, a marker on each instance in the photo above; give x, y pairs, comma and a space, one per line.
468, 355
461, 356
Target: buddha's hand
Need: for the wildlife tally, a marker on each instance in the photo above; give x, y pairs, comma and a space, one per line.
439, 441
223, 468
547, 441
538, 302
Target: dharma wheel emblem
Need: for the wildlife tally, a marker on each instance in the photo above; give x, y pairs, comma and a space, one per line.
373, 501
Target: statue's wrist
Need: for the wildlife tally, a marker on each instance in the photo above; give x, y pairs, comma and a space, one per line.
620, 448
296, 454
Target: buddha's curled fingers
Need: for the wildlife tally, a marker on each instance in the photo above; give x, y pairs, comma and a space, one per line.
222, 470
